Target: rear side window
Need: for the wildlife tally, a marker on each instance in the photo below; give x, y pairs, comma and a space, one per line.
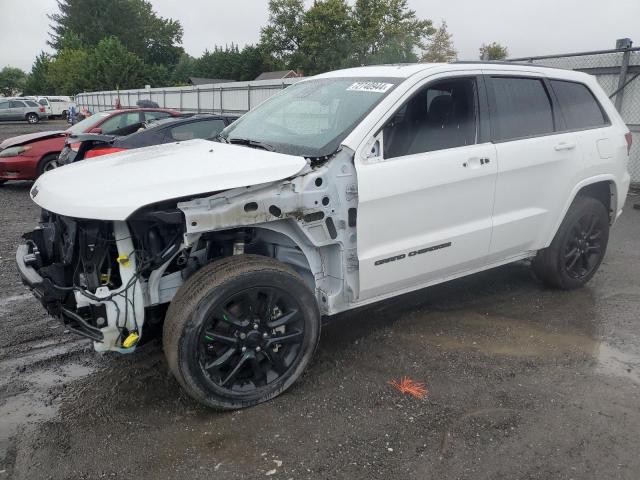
206, 129
156, 115
523, 107
579, 107
17, 104
31, 103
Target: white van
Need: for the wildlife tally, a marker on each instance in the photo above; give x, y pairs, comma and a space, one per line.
344, 189
56, 106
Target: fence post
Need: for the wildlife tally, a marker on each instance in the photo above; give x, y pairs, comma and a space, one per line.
624, 67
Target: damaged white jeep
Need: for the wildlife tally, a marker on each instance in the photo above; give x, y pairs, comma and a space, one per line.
345, 189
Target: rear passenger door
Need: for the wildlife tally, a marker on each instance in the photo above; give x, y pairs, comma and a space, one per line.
537, 160
17, 110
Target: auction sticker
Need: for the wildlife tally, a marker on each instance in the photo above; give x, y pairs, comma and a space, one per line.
375, 87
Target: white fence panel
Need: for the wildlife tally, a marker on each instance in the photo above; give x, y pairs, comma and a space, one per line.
234, 98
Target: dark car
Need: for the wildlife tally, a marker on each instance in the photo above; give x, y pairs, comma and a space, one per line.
83, 146
26, 157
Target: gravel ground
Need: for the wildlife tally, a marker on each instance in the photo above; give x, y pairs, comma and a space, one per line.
523, 383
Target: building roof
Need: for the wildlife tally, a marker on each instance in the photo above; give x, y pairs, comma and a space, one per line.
205, 81
277, 75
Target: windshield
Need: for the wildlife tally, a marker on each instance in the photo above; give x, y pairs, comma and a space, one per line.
88, 123
310, 118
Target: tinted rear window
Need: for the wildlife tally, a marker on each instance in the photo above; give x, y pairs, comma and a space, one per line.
523, 107
31, 103
579, 107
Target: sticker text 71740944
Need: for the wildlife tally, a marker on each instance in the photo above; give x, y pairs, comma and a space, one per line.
375, 87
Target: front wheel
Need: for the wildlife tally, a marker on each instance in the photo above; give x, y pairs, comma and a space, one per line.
578, 248
241, 331
33, 118
48, 163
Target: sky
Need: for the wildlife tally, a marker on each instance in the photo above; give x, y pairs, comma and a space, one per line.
537, 27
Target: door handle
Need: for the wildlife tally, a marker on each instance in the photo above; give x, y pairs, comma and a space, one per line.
476, 162
565, 146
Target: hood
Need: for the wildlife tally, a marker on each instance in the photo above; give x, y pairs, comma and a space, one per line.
114, 186
29, 137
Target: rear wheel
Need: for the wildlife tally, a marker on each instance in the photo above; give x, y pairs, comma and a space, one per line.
578, 248
32, 118
48, 163
241, 331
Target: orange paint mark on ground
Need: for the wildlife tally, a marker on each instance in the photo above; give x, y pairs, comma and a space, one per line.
408, 386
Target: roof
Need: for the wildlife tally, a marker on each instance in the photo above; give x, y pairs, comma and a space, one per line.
277, 75
408, 69
206, 81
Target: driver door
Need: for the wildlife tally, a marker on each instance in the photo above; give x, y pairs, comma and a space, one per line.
426, 189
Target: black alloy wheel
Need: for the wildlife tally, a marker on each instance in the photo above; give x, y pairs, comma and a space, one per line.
251, 338
240, 331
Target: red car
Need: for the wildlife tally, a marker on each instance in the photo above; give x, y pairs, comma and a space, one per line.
26, 157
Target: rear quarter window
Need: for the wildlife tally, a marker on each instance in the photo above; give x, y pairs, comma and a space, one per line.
523, 107
579, 106
31, 103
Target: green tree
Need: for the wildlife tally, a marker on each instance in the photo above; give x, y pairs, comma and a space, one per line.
154, 39
326, 36
12, 81
111, 66
493, 51
440, 47
282, 36
37, 82
67, 72
387, 31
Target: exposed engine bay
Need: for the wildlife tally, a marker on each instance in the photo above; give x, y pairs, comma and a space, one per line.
106, 280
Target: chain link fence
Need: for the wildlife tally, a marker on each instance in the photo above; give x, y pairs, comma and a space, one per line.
618, 72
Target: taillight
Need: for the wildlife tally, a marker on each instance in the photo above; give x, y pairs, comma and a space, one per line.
629, 138
97, 152
41, 109
75, 146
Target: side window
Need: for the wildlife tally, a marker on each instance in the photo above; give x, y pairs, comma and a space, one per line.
442, 115
579, 107
206, 129
523, 107
43, 102
120, 121
4, 105
156, 115
31, 103
16, 104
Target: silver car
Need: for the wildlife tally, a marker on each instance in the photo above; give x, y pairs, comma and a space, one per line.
21, 109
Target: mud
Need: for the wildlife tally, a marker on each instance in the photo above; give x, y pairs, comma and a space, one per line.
523, 383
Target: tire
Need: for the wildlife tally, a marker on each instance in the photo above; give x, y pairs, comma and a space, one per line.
2, 182
47, 163
32, 118
578, 248
210, 323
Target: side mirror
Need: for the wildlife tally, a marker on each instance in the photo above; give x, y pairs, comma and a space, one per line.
95, 130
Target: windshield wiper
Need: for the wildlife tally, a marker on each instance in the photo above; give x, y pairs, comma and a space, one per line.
251, 143
221, 138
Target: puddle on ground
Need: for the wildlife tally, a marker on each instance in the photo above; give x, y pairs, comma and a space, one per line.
35, 399
496, 335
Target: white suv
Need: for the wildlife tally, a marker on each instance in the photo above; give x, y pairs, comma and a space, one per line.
345, 189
